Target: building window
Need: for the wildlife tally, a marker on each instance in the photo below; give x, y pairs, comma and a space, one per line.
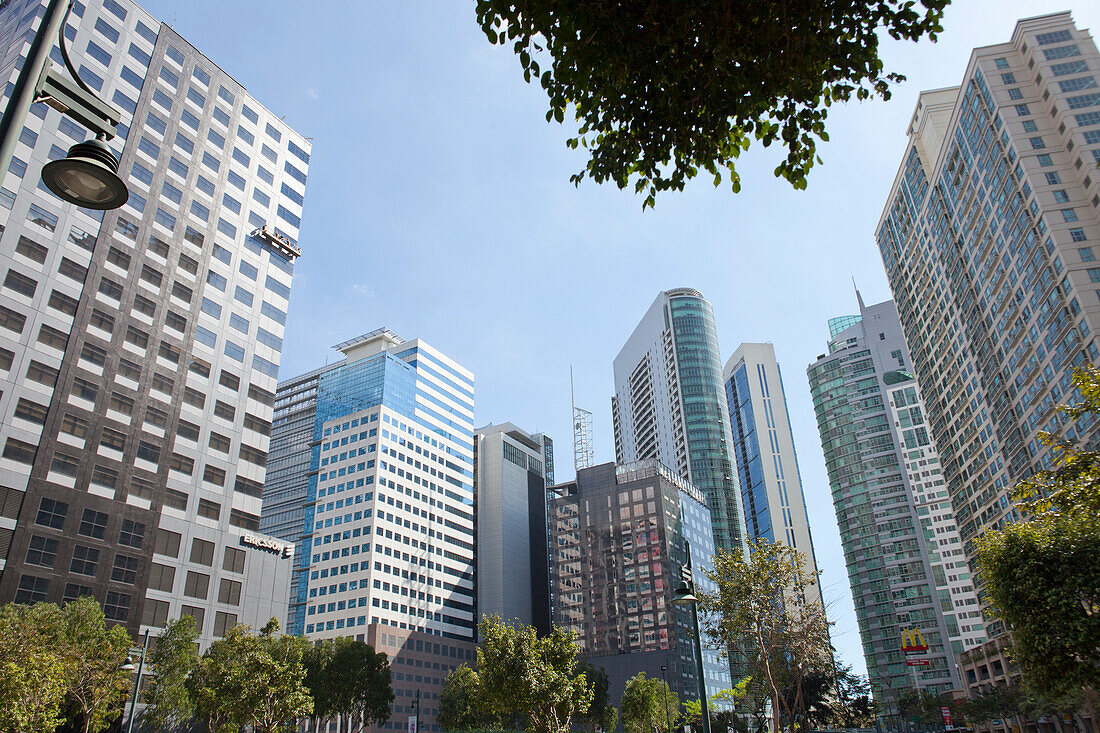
51, 513
42, 551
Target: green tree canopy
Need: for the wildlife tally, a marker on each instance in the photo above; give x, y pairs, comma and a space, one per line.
96, 683
458, 709
663, 89
347, 678
1041, 576
247, 679
175, 655
649, 706
760, 607
34, 670
601, 713
524, 676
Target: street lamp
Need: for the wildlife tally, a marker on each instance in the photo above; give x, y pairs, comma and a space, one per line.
129, 667
88, 175
685, 596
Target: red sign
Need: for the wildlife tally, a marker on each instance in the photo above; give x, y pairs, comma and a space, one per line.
946, 711
918, 662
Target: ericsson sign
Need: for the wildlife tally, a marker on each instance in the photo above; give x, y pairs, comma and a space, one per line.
267, 544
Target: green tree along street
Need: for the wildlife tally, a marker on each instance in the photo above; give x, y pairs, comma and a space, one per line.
348, 679
663, 90
61, 660
33, 668
458, 705
760, 608
1042, 577
601, 713
524, 677
649, 706
168, 702
64, 666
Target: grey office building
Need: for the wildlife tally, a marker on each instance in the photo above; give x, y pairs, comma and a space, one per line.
139, 348
510, 478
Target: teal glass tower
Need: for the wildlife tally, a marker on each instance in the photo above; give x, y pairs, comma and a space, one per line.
670, 404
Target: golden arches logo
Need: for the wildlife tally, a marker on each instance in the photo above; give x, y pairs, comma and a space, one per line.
912, 640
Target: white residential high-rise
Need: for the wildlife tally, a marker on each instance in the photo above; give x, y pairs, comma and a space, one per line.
763, 445
510, 479
876, 445
139, 347
990, 236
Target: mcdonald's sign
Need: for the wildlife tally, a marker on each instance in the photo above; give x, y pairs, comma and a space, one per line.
912, 640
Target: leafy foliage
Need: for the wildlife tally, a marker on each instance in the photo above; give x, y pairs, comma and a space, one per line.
168, 702
245, 679
33, 670
95, 681
347, 678
649, 706
601, 713
458, 708
524, 676
1041, 576
760, 607
1043, 579
661, 89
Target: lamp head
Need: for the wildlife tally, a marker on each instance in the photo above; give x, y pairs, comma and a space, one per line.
128, 665
683, 595
87, 177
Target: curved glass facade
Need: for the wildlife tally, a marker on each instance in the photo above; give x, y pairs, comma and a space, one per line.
706, 417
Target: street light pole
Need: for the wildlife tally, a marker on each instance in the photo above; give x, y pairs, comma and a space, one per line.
26, 85
685, 596
137, 682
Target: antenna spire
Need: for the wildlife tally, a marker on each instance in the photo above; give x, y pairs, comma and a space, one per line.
582, 431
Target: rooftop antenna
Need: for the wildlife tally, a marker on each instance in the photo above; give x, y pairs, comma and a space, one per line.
582, 431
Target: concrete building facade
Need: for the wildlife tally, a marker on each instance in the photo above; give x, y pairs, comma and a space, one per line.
990, 236
139, 347
387, 532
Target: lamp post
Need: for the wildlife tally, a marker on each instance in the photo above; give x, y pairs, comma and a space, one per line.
88, 175
664, 675
129, 667
685, 596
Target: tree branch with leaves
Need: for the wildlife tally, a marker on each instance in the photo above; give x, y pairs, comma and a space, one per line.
662, 91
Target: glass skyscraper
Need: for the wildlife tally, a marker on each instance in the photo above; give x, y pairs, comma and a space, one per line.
617, 539
990, 236
385, 489
139, 347
771, 484
670, 404
876, 445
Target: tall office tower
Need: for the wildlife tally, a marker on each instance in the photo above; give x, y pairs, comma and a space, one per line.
140, 346
286, 488
763, 445
895, 567
670, 404
387, 535
989, 237
513, 573
617, 549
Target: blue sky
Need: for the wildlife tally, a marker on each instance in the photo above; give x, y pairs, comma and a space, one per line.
439, 205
